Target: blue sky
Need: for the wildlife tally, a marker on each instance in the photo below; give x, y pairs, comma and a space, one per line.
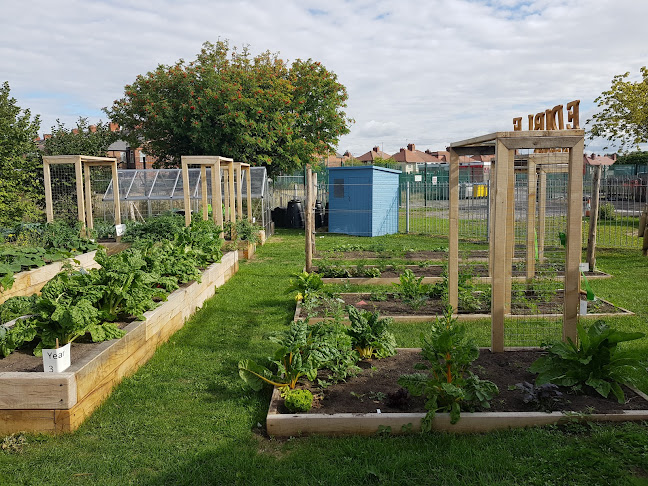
424, 72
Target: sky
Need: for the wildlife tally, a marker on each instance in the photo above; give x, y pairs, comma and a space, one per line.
427, 72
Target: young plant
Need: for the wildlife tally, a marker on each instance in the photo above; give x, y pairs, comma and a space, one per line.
546, 398
290, 361
298, 400
370, 335
595, 362
448, 386
305, 283
410, 288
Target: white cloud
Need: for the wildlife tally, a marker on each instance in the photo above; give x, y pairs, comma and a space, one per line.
424, 72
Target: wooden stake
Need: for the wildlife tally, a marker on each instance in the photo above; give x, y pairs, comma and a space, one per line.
453, 231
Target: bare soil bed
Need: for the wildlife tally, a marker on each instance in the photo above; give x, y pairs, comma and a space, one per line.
395, 306
376, 388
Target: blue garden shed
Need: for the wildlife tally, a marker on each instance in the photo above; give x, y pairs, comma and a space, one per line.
363, 201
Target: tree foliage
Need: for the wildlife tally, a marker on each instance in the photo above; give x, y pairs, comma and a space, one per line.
254, 109
634, 158
20, 168
624, 111
80, 141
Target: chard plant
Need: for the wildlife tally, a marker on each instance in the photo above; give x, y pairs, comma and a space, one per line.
370, 334
595, 361
305, 284
448, 385
410, 289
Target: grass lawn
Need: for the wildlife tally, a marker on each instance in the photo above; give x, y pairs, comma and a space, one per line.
187, 418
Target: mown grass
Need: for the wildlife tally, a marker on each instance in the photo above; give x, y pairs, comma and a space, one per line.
186, 418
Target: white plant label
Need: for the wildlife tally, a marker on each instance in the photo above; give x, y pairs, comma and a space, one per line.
56, 360
120, 229
584, 267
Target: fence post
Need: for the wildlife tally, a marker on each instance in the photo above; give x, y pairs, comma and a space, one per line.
594, 210
407, 208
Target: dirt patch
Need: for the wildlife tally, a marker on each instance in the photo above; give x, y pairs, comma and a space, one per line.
376, 387
528, 304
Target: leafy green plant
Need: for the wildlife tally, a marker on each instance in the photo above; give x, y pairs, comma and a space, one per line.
607, 212
595, 361
305, 283
370, 334
16, 306
298, 400
448, 385
410, 288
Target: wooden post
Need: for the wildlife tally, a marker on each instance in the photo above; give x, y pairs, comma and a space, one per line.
453, 231
574, 243
226, 196
645, 243
308, 214
88, 197
248, 186
185, 190
49, 206
491, 235
542, 207
203, 192
217, 198
239, 190
531, 217
230, 178
116, 202
510, 228
591, 236
78, 174
501, 265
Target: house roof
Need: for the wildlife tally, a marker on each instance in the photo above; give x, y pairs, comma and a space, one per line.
411, 155
603, 160
373, 154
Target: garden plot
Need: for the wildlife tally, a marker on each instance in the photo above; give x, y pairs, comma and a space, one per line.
386, 273
422, 308
373, 402
31, 281
60, 402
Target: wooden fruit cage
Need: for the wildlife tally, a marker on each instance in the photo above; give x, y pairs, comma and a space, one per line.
566, 150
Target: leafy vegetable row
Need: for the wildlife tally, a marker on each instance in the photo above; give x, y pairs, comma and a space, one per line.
79, 302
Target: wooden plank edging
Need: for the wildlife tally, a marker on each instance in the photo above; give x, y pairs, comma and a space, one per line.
66, 399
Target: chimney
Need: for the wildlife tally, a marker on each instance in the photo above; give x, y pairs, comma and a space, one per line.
114, 127
410, 147
93, 128
375, 149
402, 150
347, 154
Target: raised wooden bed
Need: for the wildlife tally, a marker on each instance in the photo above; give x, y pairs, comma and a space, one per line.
596, 275
413, 318
31, 281
60, 402
247, 252
295, 424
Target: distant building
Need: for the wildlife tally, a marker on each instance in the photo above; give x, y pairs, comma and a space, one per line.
375, 153
409, 158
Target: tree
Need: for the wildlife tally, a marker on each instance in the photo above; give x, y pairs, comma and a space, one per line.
634, 158
255, 109
80, 141
21, 186
624, 111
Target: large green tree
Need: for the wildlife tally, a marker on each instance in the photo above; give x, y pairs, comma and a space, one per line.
623, 115
81, 140
20, 168
254, 109
634, 158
